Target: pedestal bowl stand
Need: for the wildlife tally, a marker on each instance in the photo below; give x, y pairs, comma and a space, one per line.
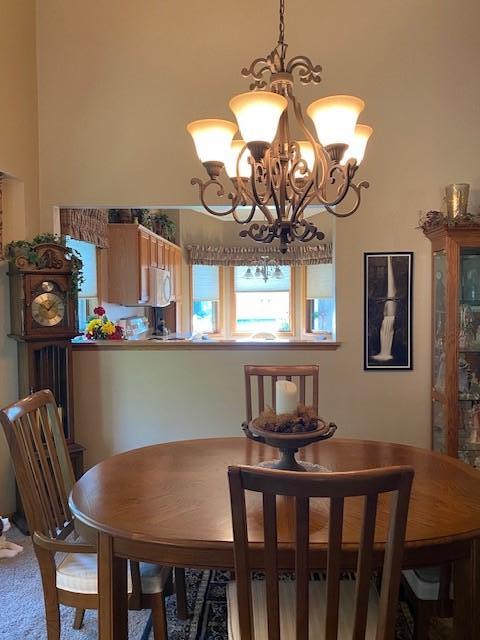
289, 444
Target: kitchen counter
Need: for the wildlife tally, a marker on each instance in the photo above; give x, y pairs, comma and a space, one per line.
240, 344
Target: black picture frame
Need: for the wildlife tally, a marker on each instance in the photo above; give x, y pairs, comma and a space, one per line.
388, 288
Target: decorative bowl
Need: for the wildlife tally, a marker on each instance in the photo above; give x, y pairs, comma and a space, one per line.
289, 444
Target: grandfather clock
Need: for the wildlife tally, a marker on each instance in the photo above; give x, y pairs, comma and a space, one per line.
43, 321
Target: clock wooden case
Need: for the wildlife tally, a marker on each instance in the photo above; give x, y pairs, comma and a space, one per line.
43, 321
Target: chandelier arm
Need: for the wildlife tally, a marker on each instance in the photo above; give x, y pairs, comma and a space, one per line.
273, 185
260, 232
256, 73
321, 156
357, 189
308, 72
261, 203
283, 155
309, 198
276, 203
346, 174
203, 186
248, 219
262, 199
310, 231
240, 190
300, 166
277, 187
306, 234
303, 202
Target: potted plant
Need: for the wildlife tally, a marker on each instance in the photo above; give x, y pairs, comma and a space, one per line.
144, 218
164, 226
123, 216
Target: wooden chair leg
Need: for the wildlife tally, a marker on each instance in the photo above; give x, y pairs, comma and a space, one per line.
52, 616
159, 617
78, 620
181, 593
421, 623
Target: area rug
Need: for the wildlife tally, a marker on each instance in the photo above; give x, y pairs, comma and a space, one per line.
22, 614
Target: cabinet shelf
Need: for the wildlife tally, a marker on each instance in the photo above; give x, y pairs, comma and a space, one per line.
470, 303
469, 397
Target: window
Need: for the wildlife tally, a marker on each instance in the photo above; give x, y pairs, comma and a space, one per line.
320, 294
261, 306
88, 294
205, 299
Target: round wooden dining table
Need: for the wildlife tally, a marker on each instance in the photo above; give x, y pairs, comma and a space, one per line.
169, 503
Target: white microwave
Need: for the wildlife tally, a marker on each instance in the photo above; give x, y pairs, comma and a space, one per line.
160, 282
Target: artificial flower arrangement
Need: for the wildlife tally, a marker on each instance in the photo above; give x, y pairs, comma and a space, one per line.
99, 327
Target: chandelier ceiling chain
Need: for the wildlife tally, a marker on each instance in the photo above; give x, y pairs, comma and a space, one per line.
269, 170
281, 26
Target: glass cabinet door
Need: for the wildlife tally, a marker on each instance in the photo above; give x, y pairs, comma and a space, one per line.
469, 356
438, 373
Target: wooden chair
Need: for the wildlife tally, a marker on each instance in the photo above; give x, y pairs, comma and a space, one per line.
287, 602
428, 592
300, 374
44, 476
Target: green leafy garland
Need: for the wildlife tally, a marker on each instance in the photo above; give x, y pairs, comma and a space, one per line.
28, 250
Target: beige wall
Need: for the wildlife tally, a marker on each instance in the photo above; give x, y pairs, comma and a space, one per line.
119, 81
19, 160
127, 399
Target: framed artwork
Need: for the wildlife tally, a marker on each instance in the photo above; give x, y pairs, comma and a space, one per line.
388, 311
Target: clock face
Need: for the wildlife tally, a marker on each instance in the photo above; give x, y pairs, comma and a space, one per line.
48, 309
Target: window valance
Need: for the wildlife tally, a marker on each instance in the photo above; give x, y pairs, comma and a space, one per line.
238, 256
89, 225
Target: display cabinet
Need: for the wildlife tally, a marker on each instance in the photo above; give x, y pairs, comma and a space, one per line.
456, 339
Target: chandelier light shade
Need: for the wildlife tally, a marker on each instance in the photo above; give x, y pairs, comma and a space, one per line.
270, 172
238, 149
213, 139
307, 153
358, 145
335, 118
258, 114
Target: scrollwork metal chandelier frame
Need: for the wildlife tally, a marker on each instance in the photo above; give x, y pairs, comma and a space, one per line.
281, 184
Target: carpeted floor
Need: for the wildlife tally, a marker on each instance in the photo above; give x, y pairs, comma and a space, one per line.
22, 614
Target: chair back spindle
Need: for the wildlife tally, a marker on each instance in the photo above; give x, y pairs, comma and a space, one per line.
336, 487
267, 376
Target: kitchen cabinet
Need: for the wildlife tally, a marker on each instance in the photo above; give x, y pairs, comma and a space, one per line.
456, 340
145, 263
154, 252
133, 249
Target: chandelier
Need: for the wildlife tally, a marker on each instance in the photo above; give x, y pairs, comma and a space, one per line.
265, 268
268, 169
